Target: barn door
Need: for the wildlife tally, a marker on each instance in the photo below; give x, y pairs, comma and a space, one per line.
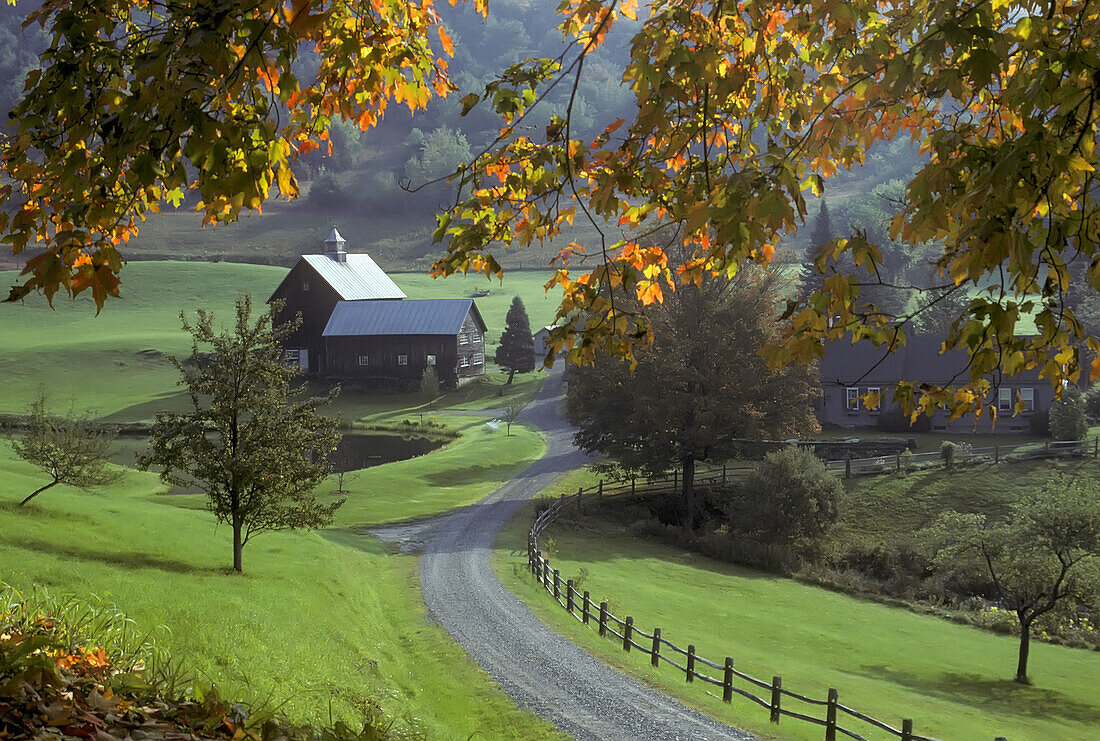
303, 360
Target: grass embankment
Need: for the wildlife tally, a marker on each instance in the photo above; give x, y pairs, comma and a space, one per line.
318, 622
954, 680
116, 364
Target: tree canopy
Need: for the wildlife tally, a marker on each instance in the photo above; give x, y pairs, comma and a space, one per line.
739, 110
700, 389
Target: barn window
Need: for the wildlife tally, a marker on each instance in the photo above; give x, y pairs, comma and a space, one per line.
478, 358
364, 360
851, 398
475, 336
402, 359
463, 339
463, 362
305, 285
431, 360
291, 357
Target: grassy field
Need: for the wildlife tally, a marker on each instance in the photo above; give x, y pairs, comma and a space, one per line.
116, 363
955, 681
325, 622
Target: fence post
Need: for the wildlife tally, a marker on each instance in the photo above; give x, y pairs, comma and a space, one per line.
723, 473
603, 619
557, 583
830, 715
569, 596
996, 453
628, 628
633, 479
675, 480
777, 695
897, 462
727, 681
1095, 446
907, 730
691, 663
1046, 448
848, 466
586, 607
600, 490
655, 654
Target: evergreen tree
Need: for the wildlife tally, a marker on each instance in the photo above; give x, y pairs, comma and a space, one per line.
821, 235
517, 347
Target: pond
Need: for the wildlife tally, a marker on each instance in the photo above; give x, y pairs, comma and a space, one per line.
357, 449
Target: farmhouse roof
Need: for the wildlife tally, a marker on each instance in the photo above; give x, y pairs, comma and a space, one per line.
355, 278
439, 316
919, 360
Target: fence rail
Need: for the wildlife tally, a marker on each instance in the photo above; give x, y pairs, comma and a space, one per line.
732, 681
964, 455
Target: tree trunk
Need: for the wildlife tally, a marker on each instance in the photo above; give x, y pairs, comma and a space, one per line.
238, 548
38, 491
688, 489
511, 374
1025, 646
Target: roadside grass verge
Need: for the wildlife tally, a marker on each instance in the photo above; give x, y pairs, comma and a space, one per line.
954, 681
320, 625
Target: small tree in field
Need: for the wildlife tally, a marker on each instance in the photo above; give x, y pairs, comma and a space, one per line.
510, 415
1046, 553
70, 450
517, 347
249, 443
788, 497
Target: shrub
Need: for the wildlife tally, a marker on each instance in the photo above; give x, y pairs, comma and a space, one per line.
789, 497
947, 453
1039, 423
1067, 416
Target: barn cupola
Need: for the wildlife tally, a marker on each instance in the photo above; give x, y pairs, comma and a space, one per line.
334, 247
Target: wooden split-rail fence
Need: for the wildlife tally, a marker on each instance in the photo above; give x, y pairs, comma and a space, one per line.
837, 720
965, 455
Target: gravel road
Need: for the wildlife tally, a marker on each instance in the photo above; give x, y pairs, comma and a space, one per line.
538, 668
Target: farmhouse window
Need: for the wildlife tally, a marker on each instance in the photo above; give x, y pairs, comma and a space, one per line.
1028, 397
402, 359
851, 398
431, 360
364, 360
1004, 400
464, 361
478, 358
878, 399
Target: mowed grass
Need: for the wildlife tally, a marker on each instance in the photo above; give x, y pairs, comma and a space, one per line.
456, 475
893, 507
116, 365
322, 623
953, 680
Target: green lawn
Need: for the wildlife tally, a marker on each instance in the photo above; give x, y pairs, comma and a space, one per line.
317, 619
953, 680
458, 474
116, 364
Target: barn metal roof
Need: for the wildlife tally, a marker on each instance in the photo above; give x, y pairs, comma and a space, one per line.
437, 316
355, 279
